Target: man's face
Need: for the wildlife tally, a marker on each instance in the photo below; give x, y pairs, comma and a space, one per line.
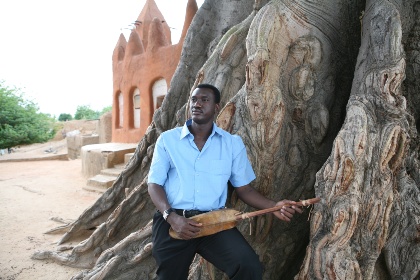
203, 106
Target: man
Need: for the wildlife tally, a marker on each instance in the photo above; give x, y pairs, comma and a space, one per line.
188, 176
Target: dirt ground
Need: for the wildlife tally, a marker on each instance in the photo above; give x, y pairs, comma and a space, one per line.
33, 190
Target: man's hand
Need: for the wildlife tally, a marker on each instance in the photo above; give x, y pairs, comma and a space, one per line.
185, 228
253, 198
287, 211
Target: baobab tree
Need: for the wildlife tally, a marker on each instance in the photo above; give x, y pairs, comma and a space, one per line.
325, 96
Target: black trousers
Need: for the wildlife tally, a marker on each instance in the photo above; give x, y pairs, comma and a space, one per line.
227, 250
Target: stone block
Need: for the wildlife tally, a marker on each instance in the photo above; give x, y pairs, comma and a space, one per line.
77, 141
105, 128
100, 183
103, 156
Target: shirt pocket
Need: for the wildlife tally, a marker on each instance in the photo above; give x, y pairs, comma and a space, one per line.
219, 172
220, 167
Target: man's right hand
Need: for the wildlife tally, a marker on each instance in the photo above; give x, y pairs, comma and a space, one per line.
185, 228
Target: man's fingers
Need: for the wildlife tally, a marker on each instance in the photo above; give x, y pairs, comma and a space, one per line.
191, 230
188, 234
195, 224
297, 209
288, 212
283, 217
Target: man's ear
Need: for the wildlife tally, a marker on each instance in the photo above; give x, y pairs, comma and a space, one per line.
217, 108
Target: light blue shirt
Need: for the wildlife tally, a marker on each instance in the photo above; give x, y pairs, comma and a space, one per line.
198, 180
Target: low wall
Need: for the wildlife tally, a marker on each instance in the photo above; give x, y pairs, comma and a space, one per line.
76, 142
102, 156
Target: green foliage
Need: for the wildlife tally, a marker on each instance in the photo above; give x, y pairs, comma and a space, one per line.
84, 112
20, 121
105, 110
65, 117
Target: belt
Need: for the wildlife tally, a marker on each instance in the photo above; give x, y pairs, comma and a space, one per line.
189, 213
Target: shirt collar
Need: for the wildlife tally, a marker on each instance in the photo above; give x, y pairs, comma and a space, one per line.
185, 131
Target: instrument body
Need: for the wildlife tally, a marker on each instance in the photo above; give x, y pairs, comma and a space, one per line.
223, 219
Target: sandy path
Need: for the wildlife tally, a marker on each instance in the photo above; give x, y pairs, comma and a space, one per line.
31, 192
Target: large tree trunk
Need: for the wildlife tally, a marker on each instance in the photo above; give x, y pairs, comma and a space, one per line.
287, 70
370, 203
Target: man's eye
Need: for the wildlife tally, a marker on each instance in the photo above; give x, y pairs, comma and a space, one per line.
205, 100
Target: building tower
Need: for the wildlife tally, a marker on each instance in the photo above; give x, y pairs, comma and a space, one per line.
142, 70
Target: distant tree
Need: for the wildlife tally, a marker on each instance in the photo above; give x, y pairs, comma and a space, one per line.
105, 110
65, 117
84, 112
20, 121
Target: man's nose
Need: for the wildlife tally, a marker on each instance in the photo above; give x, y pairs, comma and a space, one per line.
197, 102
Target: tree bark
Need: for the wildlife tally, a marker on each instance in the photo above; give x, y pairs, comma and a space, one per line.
286, 70
371, 205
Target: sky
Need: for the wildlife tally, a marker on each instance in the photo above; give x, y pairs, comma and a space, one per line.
59, 53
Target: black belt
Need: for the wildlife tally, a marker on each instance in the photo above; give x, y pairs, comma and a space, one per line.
189, 213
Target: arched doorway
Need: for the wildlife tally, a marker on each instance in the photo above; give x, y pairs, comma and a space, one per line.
159, 88
120, 113
136, 108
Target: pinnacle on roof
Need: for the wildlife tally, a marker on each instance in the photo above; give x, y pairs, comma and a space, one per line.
147, 14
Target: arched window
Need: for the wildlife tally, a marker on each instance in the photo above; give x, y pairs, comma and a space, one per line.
159, 89
120, 110
136, 108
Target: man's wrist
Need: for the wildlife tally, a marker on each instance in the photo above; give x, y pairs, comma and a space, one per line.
167, 212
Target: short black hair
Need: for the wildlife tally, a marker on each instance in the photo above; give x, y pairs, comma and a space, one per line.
216, 92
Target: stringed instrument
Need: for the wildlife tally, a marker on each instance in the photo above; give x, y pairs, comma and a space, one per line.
223, 219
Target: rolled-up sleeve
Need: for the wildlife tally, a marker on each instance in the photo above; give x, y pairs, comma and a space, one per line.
160, 165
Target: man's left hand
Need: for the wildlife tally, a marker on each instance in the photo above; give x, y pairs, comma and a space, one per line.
287, 211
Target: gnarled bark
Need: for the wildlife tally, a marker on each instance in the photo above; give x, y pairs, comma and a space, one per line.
366, 190
286, 70
296, 83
